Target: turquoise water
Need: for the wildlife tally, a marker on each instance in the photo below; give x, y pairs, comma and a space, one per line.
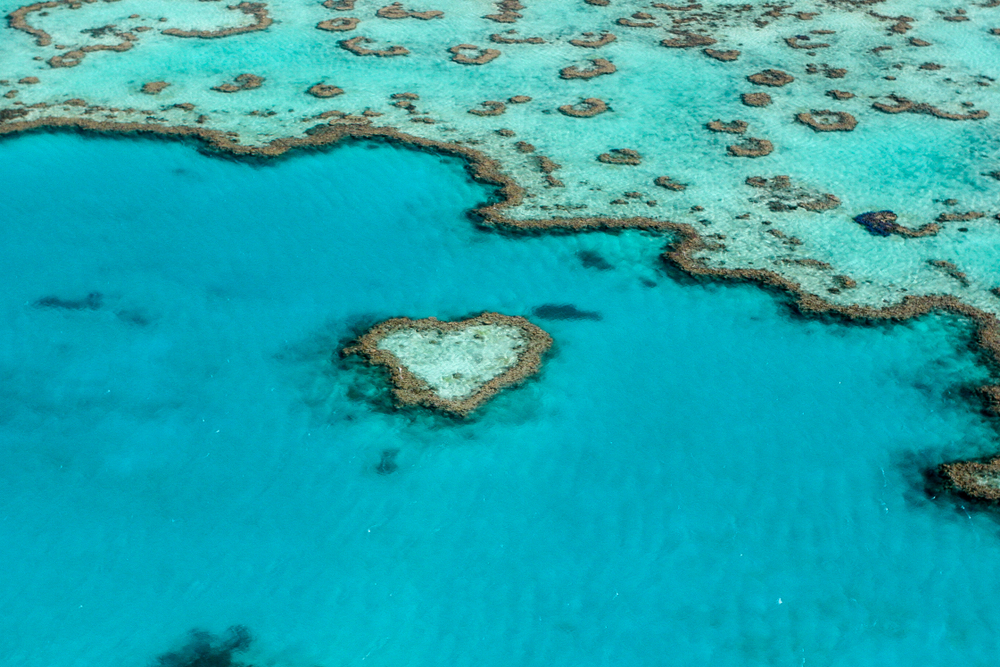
695, 478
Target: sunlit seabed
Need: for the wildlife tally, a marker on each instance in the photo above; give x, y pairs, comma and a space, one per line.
696, 478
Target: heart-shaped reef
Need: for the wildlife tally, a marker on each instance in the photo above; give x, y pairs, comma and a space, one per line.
454, 366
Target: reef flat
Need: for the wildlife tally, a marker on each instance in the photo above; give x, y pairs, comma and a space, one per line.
843, 150
761, 129
454, 366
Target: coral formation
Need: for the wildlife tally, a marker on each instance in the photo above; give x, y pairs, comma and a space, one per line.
342, 24
482, 56
258, 10
324, 90
751, 147
585, 108
396, 11
453, 367
771, 77
756, 99
600, 67
732, 127
593, 42
354, 46
154, 87
243, 82
621, 156
686, 40
828, 121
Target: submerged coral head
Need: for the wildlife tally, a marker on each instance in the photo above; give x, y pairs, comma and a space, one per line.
879, 223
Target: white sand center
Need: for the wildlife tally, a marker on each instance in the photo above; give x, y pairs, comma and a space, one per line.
457, 363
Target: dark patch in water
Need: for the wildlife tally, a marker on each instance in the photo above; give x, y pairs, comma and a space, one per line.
592, 260
205, 650
388, 464
135, 317
92, 301
564, 311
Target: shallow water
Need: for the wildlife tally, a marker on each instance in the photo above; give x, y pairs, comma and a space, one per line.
696, 477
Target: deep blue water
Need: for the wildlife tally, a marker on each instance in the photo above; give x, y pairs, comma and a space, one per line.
696, 478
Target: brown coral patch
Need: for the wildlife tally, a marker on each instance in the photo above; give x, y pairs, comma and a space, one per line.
781, 195
508, 12
408, 389
507, 39
243, 82
621, 156
342, 24
840, 94
75, 57
904, 105
725, 56
340, 5
154, 87
600, 67
18, 20
686, 40
482, 56
325, 90
919, 42
396, 11
979, 480
29, 80
961, 217
827, 121
756, 99
802, 42
489, 108
354, 46
585, 108
669, 183
732, 127
258, 10
593, 43
951, 270
519, 99
771, 77
630, 23
751, 147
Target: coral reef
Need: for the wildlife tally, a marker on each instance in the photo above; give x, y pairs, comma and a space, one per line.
687, 40
354, 46
324, 90
490, 108
396, 11
154, 87
587, 108
593, 42
732, 127
751, 147
669, 183
243, 82
828, 121
258, 10
453, 367
904, 105
756, 99
342, 24
781, 195
724, 56
600, 67
621, 156
771, 77
482, 56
